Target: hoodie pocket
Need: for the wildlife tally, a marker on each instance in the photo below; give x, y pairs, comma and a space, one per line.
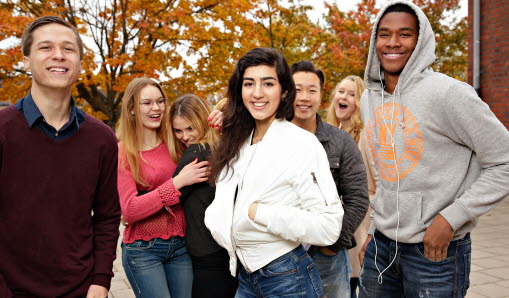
387, 204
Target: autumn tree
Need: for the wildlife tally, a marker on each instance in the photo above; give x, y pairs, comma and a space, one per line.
13, 77
347, 43
125, 39
340, 47
192, 45
267, 23
451, 36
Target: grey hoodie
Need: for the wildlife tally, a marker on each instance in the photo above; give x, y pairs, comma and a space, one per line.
452, 153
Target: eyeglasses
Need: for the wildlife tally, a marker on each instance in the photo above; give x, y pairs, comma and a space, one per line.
149, 103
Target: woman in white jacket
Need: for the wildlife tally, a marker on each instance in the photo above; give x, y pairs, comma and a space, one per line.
274, 189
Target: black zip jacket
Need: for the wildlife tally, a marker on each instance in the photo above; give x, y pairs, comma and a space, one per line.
195, 199
349, 174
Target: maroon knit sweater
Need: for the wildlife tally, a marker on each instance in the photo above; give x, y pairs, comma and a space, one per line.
59, 208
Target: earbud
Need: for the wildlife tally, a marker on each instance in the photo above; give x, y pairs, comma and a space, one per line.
132, 113
380, 77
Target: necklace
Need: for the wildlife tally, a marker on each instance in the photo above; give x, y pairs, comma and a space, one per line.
256, 139
152, 146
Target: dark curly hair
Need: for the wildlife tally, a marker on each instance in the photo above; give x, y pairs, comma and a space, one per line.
238, 122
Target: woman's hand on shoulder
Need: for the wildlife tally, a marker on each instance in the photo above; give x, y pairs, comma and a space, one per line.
216, 119
192, 173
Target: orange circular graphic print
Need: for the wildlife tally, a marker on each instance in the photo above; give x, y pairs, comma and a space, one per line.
388, 124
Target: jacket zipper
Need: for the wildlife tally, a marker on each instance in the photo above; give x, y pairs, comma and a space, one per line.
234, 243
316, 182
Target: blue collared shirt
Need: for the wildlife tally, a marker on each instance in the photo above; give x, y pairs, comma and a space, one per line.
34, 118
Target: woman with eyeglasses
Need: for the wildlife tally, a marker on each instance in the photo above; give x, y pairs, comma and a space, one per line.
154, 253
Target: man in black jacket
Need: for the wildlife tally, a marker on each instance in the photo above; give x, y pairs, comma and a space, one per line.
349, 174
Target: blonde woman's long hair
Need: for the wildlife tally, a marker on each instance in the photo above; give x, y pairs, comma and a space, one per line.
356, 124
220, 104
130, 129
196, 111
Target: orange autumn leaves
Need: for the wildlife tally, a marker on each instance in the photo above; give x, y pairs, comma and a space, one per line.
191, 46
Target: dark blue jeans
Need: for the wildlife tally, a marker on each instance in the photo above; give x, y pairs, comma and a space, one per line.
158, 268
291, 275
334, 272
412, 274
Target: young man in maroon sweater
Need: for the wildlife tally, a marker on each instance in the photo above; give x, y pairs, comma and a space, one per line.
59, 208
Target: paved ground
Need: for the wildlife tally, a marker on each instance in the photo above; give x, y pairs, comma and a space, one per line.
120, 287
489, 275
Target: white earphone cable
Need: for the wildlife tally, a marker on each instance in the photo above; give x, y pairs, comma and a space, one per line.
380, 278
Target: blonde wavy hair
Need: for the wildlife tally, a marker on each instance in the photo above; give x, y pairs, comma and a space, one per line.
130, 128
220, 104
196, 111
356, 124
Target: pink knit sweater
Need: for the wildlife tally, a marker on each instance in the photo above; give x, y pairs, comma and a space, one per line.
157, 214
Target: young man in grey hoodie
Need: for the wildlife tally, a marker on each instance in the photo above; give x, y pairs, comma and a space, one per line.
442, 158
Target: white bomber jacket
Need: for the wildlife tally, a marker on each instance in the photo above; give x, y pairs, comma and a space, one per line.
288, 175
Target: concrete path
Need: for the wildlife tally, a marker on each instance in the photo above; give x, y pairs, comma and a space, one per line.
120, 287
489, 276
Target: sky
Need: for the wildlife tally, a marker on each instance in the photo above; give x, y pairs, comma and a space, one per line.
346, 5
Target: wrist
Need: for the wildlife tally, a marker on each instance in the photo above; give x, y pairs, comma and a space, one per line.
177, 182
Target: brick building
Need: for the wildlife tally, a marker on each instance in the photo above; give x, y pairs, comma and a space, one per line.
493, 78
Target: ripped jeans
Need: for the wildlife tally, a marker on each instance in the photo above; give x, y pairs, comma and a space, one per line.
412, 274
